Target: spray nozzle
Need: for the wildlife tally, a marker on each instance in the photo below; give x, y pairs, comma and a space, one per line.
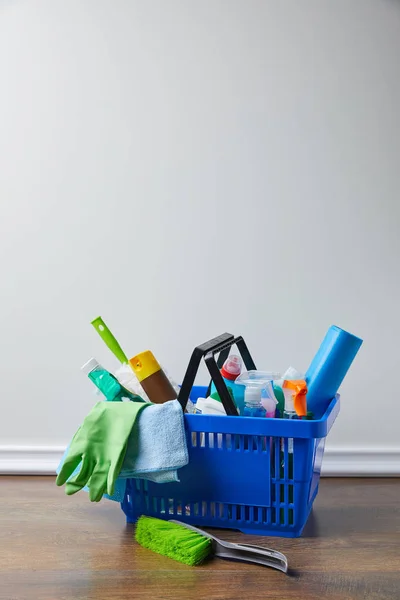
295, 392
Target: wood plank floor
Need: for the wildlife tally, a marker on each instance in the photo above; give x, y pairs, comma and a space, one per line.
54, 547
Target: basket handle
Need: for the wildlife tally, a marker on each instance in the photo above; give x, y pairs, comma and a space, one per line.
221, 344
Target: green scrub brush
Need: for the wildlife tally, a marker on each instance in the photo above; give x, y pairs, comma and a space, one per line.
192, 546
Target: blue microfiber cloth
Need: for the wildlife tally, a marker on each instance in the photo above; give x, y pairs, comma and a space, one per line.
156, 448
157, 445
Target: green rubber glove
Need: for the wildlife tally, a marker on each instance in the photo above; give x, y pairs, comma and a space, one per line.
100, 445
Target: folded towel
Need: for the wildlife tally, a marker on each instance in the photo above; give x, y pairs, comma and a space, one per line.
157, 445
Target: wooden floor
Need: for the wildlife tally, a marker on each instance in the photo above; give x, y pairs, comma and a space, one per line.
54, 547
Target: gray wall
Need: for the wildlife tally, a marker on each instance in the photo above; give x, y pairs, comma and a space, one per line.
188, 167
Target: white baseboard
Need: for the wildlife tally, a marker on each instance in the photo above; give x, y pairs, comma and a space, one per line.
361, 462
30, 460
338, 462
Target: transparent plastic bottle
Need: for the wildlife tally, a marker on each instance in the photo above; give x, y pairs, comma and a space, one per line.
108, 385
252, 402
259, 398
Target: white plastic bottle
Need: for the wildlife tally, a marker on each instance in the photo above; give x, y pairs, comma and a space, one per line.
209, 406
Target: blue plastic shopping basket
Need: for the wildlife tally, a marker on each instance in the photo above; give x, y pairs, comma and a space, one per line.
257, 475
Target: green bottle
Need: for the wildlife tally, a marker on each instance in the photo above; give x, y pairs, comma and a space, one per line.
215, 395
107, 383
280, 407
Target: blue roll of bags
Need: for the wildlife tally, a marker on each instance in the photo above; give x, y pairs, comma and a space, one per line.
329, 368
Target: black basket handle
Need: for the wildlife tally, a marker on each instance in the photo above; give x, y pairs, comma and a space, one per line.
221, 344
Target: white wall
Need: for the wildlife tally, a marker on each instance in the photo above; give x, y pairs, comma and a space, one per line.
187, 167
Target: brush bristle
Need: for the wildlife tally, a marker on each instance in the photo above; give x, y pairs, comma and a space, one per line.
172, 540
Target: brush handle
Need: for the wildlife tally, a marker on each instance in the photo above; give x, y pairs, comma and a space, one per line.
242, 552
109, 339
252, 554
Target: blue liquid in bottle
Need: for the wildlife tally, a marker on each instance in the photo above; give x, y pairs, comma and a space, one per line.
254, 410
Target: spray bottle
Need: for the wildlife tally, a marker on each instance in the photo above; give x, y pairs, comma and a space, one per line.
290, 373
107, 383
259, 398
295, 392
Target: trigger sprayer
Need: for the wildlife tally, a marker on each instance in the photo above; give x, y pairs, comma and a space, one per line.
295, 392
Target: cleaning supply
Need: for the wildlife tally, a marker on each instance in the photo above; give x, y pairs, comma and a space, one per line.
295, 392
280, 399
124, 373
230, 371
128, 380
192, 546
215, 395
252, 403
156, 448
209, 406
157, 445
152, 378
107, 383
232, 367
119, 487
329, 367
269, 401
109, 339
258, 393
99, 447
290, 373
